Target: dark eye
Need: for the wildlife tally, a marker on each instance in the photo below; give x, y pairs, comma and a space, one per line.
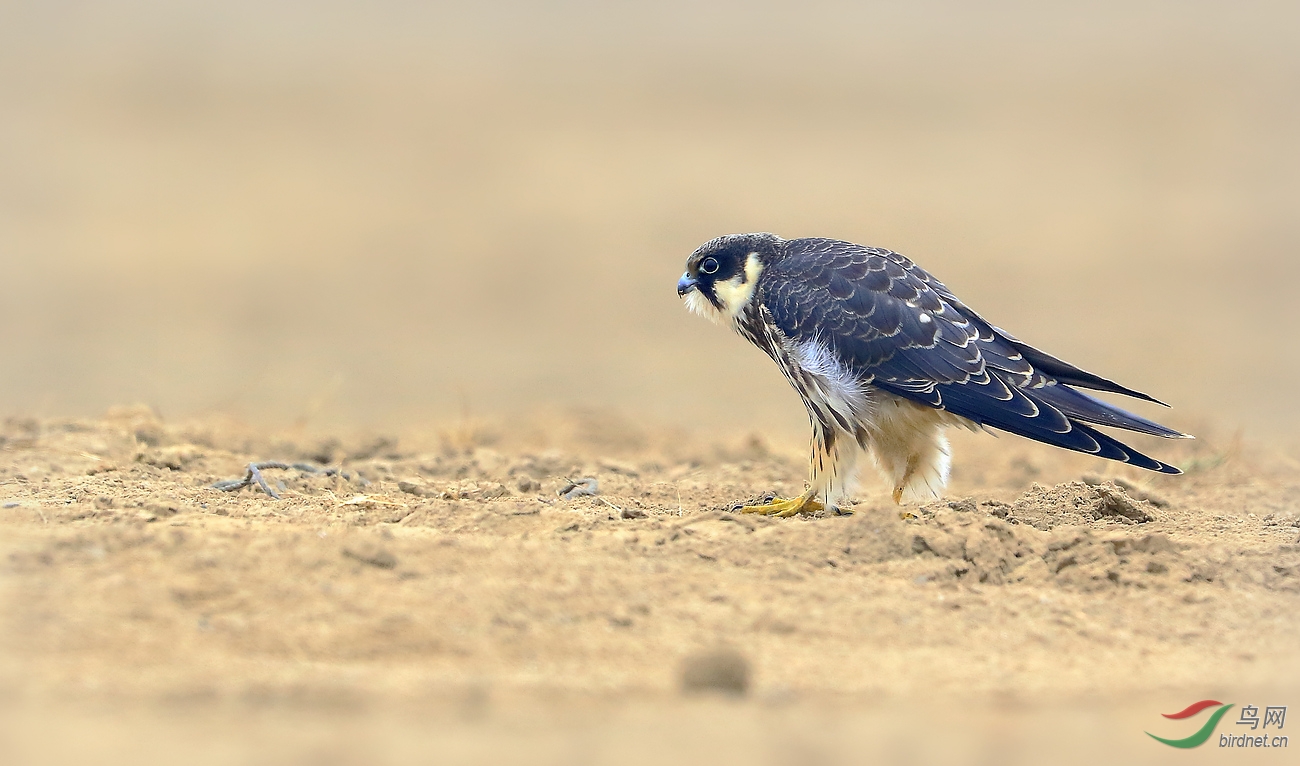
710, 266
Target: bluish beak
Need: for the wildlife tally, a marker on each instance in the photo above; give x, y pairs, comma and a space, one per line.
686, 284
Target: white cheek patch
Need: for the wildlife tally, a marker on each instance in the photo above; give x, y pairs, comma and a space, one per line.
734, 294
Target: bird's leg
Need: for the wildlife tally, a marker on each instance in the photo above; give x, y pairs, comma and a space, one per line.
805, 503
907, 476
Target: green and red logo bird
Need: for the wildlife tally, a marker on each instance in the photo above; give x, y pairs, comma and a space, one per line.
1205, 732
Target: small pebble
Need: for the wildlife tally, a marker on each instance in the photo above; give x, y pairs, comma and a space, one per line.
411, 487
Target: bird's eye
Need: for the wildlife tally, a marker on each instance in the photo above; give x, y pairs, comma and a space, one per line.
710, 266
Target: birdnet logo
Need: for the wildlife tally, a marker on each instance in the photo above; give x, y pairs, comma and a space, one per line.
1259, 735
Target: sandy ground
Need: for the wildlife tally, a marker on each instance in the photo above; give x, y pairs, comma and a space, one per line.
443, 604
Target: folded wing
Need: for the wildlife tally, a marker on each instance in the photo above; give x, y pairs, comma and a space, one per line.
896, 327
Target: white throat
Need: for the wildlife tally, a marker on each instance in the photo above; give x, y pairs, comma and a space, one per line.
698, 304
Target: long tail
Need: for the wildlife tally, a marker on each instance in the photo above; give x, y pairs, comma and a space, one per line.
1080, 410
1056, 415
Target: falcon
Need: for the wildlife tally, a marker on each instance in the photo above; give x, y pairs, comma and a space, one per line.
886, 359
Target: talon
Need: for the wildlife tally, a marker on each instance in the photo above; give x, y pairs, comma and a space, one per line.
898, 495
786, 508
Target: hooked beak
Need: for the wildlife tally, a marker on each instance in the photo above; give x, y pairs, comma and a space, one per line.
686, 284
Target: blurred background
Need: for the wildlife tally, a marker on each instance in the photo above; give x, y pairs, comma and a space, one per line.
363, 215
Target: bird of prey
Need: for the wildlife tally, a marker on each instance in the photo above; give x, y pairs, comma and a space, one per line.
886, 358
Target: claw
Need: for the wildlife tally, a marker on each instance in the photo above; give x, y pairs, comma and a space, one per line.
786, 508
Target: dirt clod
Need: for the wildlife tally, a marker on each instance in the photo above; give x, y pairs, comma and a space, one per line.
1113, 502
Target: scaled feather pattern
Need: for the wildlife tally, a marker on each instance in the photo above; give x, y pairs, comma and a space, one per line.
901, 330
885, 358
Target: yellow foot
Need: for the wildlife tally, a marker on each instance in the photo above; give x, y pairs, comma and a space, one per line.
898, 500
784, 508
907, 478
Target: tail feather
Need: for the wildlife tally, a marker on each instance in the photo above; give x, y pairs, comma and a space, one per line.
1083, 438
1114, 449
1079, 406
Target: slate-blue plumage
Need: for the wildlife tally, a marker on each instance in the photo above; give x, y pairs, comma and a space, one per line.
901, 330
885, 359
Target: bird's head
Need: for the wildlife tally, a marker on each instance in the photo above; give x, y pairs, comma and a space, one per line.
721, 275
